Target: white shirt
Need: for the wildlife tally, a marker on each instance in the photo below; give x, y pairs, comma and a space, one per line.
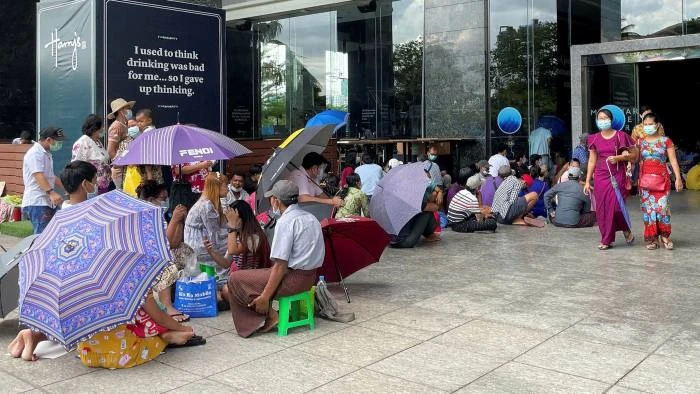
298, 240
37, 159
230, 197
370, 174
497, 161
539, 141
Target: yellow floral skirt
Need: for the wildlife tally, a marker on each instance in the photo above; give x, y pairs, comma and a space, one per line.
119, 348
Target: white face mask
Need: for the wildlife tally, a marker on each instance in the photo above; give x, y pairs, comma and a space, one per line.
321, 172
235, 189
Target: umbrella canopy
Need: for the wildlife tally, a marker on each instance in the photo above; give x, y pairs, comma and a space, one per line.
329, 117
555, 125
398, 197
352, 244
9, 275
180, 144
289, 155
92, 267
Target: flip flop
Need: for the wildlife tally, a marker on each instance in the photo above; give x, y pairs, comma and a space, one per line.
604, 247
196, 340
185, 320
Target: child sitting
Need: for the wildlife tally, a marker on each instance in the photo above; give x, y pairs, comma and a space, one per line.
356, 202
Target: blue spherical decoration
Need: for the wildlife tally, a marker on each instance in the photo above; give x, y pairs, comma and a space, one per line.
509, 120
618, 120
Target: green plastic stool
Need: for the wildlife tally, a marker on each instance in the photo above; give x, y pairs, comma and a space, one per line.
292, 304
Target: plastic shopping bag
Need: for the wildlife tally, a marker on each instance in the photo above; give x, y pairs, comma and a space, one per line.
196, 296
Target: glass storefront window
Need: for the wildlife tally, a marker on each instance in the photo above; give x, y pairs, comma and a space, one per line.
691, 17
646, 19
363, 60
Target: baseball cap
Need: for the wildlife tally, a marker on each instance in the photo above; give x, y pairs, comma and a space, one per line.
483, 163
284, 190
574, 172
51, 132
474, 182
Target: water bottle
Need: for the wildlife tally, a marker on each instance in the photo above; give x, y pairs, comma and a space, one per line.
321, 281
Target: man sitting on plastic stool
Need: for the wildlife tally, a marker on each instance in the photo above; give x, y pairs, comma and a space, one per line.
297, 250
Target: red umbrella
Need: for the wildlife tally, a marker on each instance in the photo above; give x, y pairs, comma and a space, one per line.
352, 244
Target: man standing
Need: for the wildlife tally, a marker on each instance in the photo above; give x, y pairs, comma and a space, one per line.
539, 140
296, 252
499, 159
581, 151
118, 132
432, 166
573, 207
370, 174
40, 200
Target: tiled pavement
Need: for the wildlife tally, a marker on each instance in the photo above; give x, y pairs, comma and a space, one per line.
522, 310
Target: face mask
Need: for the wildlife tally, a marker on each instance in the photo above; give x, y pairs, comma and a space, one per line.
321, 171
649, 129
93, 193
129, 115
432, 157
603, 124
133, 131
484, 172
235, 189
56, 146
165, 205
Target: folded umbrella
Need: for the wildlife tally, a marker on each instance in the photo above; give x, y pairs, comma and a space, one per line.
179, 144
92, 267
398, 197
289, 155
352, 244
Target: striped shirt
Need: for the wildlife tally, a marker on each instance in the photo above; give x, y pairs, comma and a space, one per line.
463, 205
506, 195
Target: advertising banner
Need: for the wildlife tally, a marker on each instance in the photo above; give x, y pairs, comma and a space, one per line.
65, 53
168, 57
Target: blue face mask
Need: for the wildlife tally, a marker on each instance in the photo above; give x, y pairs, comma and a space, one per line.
129, 115
649, 129
432, 157
133, 131
603, 124
93, 193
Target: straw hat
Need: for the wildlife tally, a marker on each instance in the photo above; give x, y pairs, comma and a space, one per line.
119, 104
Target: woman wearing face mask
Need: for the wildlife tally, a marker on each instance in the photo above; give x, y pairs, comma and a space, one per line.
157, 195
655, 183
89, 148
79, 178
610, 150
118, 131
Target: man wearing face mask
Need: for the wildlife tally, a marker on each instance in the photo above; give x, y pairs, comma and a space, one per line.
40, 200
308, 177
483, 166
431, 163
118, 132
79, 178
235, 189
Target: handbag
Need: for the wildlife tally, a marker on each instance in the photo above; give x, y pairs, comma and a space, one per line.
196, 296
652, 182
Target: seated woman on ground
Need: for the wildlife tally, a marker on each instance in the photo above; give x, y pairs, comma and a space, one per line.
149, 335
157, 194
356, 203
247, 244
423, 223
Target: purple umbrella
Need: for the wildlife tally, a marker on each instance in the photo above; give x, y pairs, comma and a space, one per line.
180, 144
398, 197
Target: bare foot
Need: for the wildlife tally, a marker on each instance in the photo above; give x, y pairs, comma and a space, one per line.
432, 238
177, 337
31, 339
17, 345
271, 322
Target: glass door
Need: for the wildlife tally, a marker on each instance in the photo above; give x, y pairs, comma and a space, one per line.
612, 84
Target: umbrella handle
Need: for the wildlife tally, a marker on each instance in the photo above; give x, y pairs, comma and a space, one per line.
335, 264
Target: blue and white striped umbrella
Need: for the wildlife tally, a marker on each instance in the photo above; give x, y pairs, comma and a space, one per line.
92, 267
180, 144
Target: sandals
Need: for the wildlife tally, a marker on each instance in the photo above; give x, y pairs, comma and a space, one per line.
604, 247
668, 244
196, 340
652, 246
629, 240
185, 318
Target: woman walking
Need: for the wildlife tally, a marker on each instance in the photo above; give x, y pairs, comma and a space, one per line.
656, 150
609, 152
